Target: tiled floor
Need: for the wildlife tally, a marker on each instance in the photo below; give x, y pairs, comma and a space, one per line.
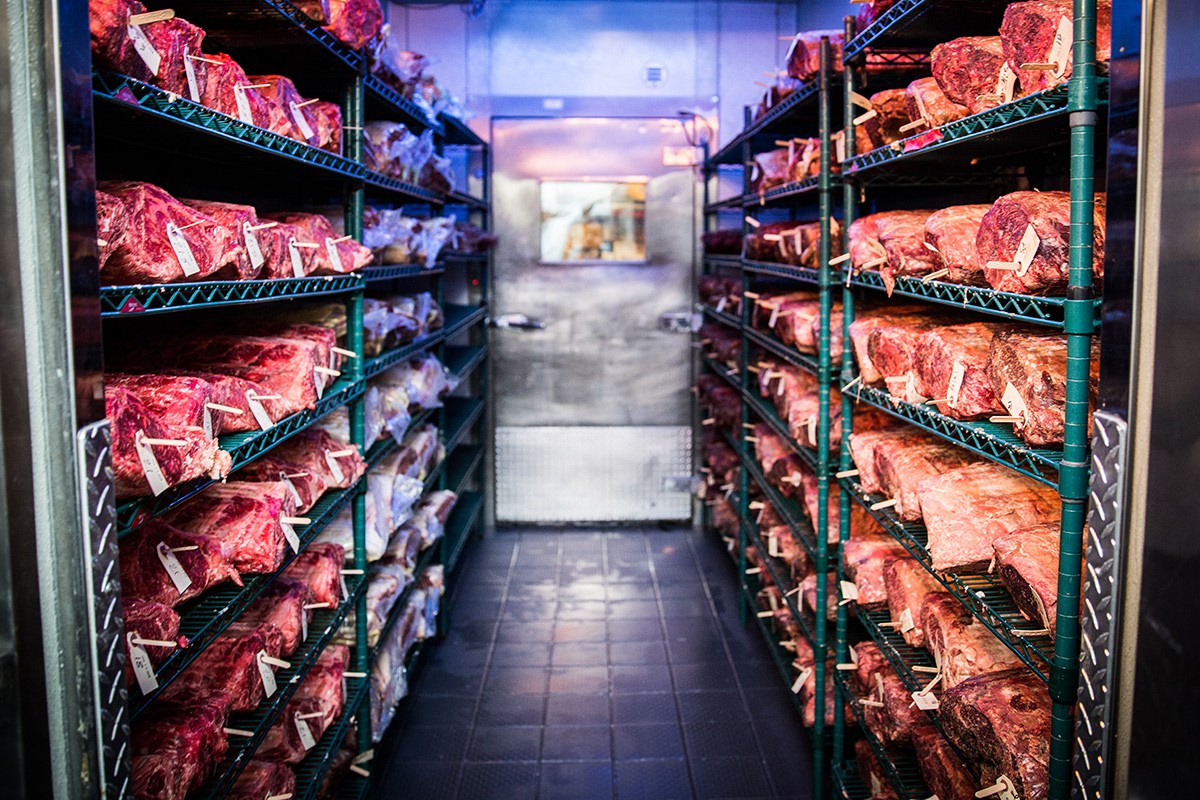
597, 665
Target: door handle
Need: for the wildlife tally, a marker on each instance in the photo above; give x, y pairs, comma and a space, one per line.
517, 321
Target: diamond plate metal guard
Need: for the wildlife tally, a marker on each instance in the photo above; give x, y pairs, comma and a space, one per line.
94, 465
1096, 703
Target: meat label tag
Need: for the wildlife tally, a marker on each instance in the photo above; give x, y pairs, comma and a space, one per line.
345, 589
306, 735
174, 569
183, 250
301, 121
862, 118
1006, 83
289, 533
773, 549
190, 69
839, 140
926, 701
861, 101
319, 384
243, 105
266, 673
291, 488
150, 467
143, 670
721, 304
1027, 249
849, 590
335, 258
906, 620
304, 624
144, 49
923, 114
335, 467
774, 317
956, 381
876, 785
1013, 401
1060, 48
297, 261
252, 248
208, 423
260, 413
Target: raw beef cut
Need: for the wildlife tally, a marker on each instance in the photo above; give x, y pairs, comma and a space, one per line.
952, 369
1041, 32
968, 509
865, 322
302, 113
895, 722
283, 604
261, 779
804, 55
145, 576
928, 103
320, 567
792, 242
965, 650
941, 612
234, 392
804, 159
892, 349
908, 583
178, 742
113, 47
952, 233
1001, 723
1042, 220
721, 344
305, 475
891, 114
176, 401
350, 255
150, 620
248, 517
352, 22
871, 772
156, 778
227, 81
942, 768
288, 251
809, 592
904, 460
862, 450
320, 451
316, 705
715, 288
872, 10
863, 558
329, 126
1028, 372
112, 226
155, 220
726, 242
1027, 563
240, 221
892, 243
230, 665
722, 401
869, 659
968, 70
770, 169
322, 338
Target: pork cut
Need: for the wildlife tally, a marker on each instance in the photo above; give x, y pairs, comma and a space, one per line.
891, 114
261, 779
804, 54
320, 567
230, 665
1001, 723
952, 369
283, 604
967, 70
230, 91
952, 233
863, 558
238, 220
145, 573
248, 517
1042, 220
1027, 563
112, 226
316, 228
927, 102
177, 744
908, 583
967, 509
941, 766
906, 458
149, 620
865, 322
871, 772
1041, 32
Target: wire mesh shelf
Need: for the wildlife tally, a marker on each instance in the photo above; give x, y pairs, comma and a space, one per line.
723, 261
401, 189
781, 656
461, 415
459, 318
924, 23
394, 271
390, 358
900, 764
849, 785
777, 571
461, 465
785, 114
384, 101
464, 199
127, 301
803, 274
462, 360
462, 522
726, 319
787, 191
458, 132
788, 509
725, 204
311, 772
767, 413
806, 362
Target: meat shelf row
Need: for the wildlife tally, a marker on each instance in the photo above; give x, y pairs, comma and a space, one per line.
391, 272
910, 24
311, 772
900, 766
463, 521
778, 194
458, 319
849, 785
774, 569
779, 654
784, 116
428, 557
809, 275
725, 204
384, 102
462, 360
723, 261
126, 301
789, 510
806, 362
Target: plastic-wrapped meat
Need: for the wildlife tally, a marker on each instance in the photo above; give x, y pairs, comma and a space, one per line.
967, 70
144, 570
282, 92
248, 517
967, 509
893, 351
965, 650
112, 226
865, 322
341, 532
239, 220
177, 744
908, 584
230, 665
1028, 372
1027, 563
171, 39
927, 102
906, 459
941, 766
234, 392
804, 54
871, 772
282, 604
952, 369
891, 114
941, 612
869, 660
150, 620
227, 81
306, 484
863, 558
315, 228
1001, 723
1024, 242
438, 504
176, 401
1041, 32
419, 454
320, 567
165, 240
261, 779
952, 232
321, 452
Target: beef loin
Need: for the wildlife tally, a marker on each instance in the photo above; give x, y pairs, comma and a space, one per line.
863, 558
927, 102
965, 649
230, 91
176, 401
804, 54
112, 226
261, 778
230, 664
239, 220
170, 39
908, 584
284, 604
1027, 563
335, 254
1041, 32
248, 517
968, 69
952, 233
149, 556
941, 766
952, 369
893, 244
320, 568
891, 114
177, 744
149, 620
865, 322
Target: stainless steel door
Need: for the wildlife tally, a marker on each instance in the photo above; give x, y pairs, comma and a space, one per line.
591, 411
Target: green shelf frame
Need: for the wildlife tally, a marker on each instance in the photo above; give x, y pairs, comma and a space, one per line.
991, 440
400, 190
462, 522
778, 194
462, 360
383, 101
461, 465
768, 415
900, 764
916, 23
458, 132
776, 569
728, 320
143, 299
809, 275
784, 114
723, 261
457, 198
772, 345
312, 770
848, 785
461, 415
734, 203
392, 272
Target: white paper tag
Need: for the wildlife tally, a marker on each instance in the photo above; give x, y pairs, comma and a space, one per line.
801, 679
334, 467
345, 589
861, 118
773, 548
335, 257
208, 423
174, 569
319, 384
1006, 83
1013, 401
812, 431
926, 701
297, 260
306, 736
183, 250
876, 785
1026, 250
922, 113
910, 390
906, 620
849, 590
252, 248
957, 374
266, 673
301, 121
144, 49
774, 317
190, 68
304, 624
150, 467
143, 670
243, 105
861, 101
839, 141
291, 488
289, 533
1060, 48
721, 304
260, 413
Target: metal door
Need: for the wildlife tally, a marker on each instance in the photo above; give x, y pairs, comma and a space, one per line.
592, 417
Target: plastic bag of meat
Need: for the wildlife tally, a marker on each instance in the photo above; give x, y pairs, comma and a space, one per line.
941, 766
261, 779
335, 254
230, 91
432, 514
152, 52
972, 71
341, 532
927, 102
863, 558
391, 63
112, 226
437, 175
908, 584
1027, 563
320, 566
804, 55
952, 369
178, 743
253, 520
424, 379
951, 232
149, 621
1042, 32
337, 422
286, 604
231, 664
891, 114
1024, 246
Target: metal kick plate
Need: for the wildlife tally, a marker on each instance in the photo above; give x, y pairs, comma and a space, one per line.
593, 474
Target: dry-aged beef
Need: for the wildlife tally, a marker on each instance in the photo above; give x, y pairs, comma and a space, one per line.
282, 604
317, 703
871, 772
316, 228
908, 583
893, 244
177, 744
320, 568
247, 517
1001, 723
808, 591
112, 226
261, 779
968, 509
871, 10
863, 558
868, 660
144, 570
231, 92
353, 22
1028, 372
968, 69
305, 474
303, 113
965, 650
791, 317
727, 242
1043, 267
927, 102
896, 720
939, 613
952, 233
721, 344
862, 450
320, 450
156, 219
171, 39
952, 369
1027, 563
906, 458
791, 242
891, 114
804, 55
942, 768
865, 322
770, 169
149, 620
1041, 32
712, 289
230, 664
176, 401
239, 220
893, 351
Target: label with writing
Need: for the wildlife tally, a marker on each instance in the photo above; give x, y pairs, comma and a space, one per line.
266, 674
143, 47
1013, 401
306, 735
297, 259
1060, 48
956, 381
926, 701
289, 533
906, 620
345, 589
335, 258
849, 590
801, 679
812, 431
1006, 83
175, 570
259, 411
1027, 249
910, 389
143, 670
335, 467
774, 317
190, 68
208, 423
243, 105
839, 141
301, 121
151, 469
319, 384
183, 250
721, 304
304, 624
252, 249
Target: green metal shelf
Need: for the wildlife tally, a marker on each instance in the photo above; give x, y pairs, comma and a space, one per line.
461, 465
724, 261
924, 23
768, 415
395, 271
206, 617
779, 655
788, 114
461, 415
900, 765
459, 318
1032, 309
390, 358
778, 194
142, 299
464, 199
980, 593
788, 353
849, 785
458, 132
353, 787
728, 320
791, 512
462, 360
243, 448
899, 653
407, 192
734, 203
311, 772
465, 257
809, 275
462, 521
384, 102
427, 557
991, 440
776, 569
260, 720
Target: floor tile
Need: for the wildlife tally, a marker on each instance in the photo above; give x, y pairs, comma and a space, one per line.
581, 780
637, 653
511, 709
634, 630
642, 709
653, 780
516, 680
638, 742
521, 654
578, 709
580, 631
576, 743
430, 743
719, 739
505, 743
578, 680
730, 778
434, 780
579, 654
496, 780
643, 678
